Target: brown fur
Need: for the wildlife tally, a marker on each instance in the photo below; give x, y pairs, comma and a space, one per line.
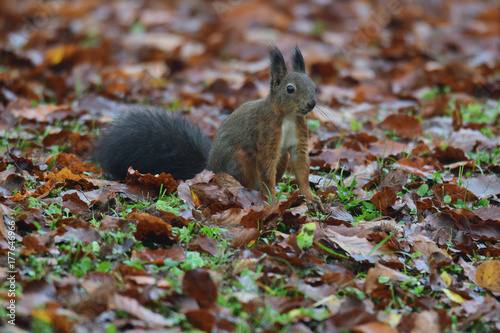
255, 143
249, 177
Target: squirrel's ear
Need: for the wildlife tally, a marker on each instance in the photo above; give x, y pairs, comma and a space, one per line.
298, 63
278, 67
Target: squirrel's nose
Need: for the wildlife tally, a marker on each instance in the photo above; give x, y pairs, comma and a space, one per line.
311, 104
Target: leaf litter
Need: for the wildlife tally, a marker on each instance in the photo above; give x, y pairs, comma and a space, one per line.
405, 155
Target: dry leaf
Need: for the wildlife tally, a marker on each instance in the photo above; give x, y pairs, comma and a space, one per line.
488, 275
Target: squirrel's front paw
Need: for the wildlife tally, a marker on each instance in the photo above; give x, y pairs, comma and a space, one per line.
314, 203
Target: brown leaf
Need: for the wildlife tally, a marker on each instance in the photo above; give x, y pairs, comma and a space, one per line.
208, 194
483, 186
384, 199
52, 312
158, 256
385, 224
64, 174
228, 182
339, 275
204, 244
244, 236
149, 182
247, 263
469, 270
333, 158
353, 312
383, 149
174, 220
488, 213
486, 231
338, 214
9, 182
249, 198
455, 192
395, 178
112, 223
221, 192
40, 243
134, 308
73, 163
73, 201
152, 229
426, 322
80, 144
381, 270
96, 301
419, 166
38, 113
403, 125
355, 245
373, 327
201, 319
231, 218
85, 235
198, 284
449, 155
126, 271
422, 244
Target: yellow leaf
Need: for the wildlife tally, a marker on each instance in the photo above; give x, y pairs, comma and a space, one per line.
196, 200
390, 319
488, 275
56, 55
446, 278
294, 313
454, 296
42, 315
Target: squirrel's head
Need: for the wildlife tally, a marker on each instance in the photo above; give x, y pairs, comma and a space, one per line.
293, 92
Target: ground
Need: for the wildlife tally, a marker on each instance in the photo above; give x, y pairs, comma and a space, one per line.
404, 149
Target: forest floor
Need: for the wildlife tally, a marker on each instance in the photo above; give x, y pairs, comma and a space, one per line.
404, 150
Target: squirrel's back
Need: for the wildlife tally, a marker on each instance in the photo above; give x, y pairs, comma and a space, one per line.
152, 140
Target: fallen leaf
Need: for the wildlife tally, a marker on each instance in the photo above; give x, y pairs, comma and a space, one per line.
158, 256
385, 199
152, 229
198, 284
483, 186
453, 296
419, 166
402, 124
355, 245
372, 277
373, 327
134, 308
426, 322
201, 319
488, 275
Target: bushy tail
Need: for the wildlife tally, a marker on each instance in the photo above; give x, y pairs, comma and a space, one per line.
149, 139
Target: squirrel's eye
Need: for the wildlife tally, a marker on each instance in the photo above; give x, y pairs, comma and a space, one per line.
290, 89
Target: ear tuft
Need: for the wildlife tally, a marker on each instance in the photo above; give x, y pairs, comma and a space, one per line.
278, 67
298, 63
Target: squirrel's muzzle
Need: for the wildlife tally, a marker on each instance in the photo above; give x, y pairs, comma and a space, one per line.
309, 106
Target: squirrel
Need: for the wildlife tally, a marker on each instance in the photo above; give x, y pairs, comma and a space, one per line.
254, 144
